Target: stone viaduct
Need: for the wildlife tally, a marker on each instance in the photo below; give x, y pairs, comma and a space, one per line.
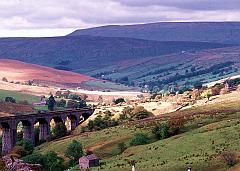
9, 124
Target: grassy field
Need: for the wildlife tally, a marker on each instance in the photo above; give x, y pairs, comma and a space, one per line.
18, 96
209, 131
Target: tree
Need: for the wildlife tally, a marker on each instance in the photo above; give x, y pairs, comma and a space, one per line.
119, 100
207, 94
140, 112
36, 158
10, 100
54, 162
51, 103
4, 79
59, 130
161, 131
61, 103
72, 104
74, 97
50, 161
81, 104
90, 125
139, 139
74, 151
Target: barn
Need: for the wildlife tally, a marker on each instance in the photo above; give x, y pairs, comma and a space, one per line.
88, 161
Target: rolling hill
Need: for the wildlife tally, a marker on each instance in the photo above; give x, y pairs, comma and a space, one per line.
20, 72
179, 69
87, 53
221, 32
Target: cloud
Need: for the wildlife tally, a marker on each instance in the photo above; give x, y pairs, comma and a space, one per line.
204, 5
52, 14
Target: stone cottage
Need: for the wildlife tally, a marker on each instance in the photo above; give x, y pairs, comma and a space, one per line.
88, 161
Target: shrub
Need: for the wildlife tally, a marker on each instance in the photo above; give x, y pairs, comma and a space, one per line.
74, 151
119, 100
230, 158
61, 103
4, 79
50, 161
59, 130
122, 146
36, 158
72, 104
161, 131
74, 97
139, 139
10, 99
101, 123
18, 151
140, 112
175, 125
27, 145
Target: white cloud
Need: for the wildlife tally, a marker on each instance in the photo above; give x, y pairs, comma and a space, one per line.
62, 14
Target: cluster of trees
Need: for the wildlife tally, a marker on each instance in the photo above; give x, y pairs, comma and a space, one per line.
216, 68
102, 122
52, 161
167, 129
74, 102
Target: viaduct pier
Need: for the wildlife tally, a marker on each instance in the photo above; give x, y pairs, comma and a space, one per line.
9, 124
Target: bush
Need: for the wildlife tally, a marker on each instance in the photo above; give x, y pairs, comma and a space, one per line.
59, 130
18, 151
50, 161
74, 151
74, 97
72, 104
10, 99
175, 125
139, 139
122, 146
27, 145
61, 103
140, 112
161, 131
4, 79
230, 158
101, 123
36, 158
119, 100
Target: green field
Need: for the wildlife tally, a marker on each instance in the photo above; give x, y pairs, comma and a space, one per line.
18, 96
208, 132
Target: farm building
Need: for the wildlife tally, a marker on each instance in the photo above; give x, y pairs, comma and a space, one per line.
88, 161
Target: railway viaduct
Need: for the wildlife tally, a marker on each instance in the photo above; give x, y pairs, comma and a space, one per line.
9, 124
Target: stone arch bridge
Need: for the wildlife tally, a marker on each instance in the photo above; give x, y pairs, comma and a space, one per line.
9, 124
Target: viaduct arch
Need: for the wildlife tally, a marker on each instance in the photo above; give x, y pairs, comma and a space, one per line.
9, 124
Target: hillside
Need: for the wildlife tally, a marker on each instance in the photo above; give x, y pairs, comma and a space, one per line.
87, 53
224, 32
179, 69
21, 72
209, 131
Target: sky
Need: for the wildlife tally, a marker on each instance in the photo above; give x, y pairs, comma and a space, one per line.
40, 18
